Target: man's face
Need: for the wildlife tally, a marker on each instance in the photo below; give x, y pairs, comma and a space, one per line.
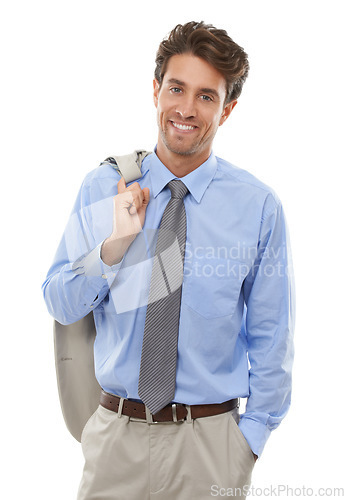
190, 107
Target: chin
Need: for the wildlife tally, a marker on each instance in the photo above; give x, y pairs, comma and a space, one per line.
181, 149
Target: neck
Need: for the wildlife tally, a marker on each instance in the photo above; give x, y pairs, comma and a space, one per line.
181, 165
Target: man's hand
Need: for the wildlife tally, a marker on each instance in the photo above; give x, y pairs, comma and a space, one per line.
129, 215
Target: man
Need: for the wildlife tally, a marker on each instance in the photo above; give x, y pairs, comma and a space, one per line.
179, 314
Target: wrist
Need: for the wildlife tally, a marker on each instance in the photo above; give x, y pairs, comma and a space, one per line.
113, 249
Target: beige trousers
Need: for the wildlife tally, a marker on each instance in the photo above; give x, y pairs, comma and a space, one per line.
127, 459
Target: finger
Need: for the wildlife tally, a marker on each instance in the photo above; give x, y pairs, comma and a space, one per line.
137, 194
146, 193
134, 190
134, 187
141, 199
121, 185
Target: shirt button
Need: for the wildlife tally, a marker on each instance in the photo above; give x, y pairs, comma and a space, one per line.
104, 276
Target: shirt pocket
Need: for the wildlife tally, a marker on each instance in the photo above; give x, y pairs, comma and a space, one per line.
212, 287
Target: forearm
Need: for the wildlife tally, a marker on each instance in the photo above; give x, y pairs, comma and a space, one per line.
72, 290
270, 393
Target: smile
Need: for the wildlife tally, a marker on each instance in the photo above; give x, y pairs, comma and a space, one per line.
183, 127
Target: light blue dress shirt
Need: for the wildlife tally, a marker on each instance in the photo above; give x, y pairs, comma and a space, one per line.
237, 306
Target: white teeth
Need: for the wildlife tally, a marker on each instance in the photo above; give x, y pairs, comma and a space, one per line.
183, 127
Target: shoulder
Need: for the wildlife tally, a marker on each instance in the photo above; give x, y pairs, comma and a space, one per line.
250, 185
99, 183
104, 172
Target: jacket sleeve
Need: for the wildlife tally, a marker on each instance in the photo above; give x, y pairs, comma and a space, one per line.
78, 280
269, 325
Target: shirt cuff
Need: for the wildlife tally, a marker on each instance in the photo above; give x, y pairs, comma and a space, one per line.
92, 265
256, 433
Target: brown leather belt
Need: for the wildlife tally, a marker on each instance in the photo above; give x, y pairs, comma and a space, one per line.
170, 413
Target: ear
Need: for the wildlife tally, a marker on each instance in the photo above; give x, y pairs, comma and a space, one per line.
156, 88
226, 111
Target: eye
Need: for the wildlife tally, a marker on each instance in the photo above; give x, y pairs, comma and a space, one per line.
205, 97
175, 90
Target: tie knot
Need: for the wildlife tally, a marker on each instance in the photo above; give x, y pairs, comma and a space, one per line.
177, 188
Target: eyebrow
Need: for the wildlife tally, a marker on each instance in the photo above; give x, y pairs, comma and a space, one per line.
206, 90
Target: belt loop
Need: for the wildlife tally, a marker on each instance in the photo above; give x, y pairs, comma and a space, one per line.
189, 415
174, 412
149, 418
119, 411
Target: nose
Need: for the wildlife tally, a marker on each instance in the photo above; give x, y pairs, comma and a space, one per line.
186, 107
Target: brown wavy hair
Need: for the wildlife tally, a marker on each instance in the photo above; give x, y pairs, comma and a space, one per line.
211, 44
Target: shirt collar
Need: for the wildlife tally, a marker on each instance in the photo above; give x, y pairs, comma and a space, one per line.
196, 181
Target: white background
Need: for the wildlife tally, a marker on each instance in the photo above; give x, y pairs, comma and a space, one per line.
76, 87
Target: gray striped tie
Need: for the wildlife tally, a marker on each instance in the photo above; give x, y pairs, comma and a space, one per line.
159, 352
